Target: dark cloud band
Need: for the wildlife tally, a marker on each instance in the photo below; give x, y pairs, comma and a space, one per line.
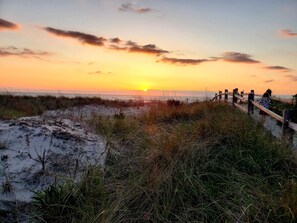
82, 37
22, 52
151, 49
236, 57
148, 49
233, 57
278, 68
183, 61
4, 24
116, 43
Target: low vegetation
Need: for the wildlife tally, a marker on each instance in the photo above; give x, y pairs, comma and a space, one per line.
6, 186
279, 106
200, 162
17, 106
71, 202
3, 146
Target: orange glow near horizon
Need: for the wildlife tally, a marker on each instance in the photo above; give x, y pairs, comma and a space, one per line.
145, 74
123, 71
98, 47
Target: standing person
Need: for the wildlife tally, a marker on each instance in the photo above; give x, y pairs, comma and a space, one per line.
235, 93
266, 103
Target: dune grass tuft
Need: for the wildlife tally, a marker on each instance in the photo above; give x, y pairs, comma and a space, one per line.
200, 162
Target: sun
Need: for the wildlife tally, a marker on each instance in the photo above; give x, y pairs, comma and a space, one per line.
145, 87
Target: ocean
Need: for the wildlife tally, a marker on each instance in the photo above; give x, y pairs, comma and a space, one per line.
136, 95
146, 96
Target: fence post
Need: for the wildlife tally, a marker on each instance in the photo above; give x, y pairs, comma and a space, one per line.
295, 100
287, 133
234, 100
220, 95
226, 94
251, 98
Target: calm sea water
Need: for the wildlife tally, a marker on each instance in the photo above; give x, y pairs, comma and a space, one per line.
149, 95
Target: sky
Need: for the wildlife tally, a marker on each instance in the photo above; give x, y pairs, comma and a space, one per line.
145, 45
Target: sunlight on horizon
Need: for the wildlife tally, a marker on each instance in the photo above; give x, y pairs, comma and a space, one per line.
87, 53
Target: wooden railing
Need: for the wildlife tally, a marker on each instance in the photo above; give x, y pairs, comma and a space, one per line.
237, 99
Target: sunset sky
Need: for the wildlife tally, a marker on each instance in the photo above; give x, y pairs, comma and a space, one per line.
114, 45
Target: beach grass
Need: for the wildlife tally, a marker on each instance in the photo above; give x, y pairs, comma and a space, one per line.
12, 106
203, 162
198, 162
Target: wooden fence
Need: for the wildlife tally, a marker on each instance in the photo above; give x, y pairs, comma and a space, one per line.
239, 99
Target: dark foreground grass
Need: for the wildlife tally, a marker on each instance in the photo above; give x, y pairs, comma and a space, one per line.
202, 162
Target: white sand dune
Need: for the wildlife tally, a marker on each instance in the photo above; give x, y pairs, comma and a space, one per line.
39, 151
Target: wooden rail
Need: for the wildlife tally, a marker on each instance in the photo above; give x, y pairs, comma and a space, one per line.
220, 95
292, 125
272, 114
241, 108
251, 104
286, 101
240, 97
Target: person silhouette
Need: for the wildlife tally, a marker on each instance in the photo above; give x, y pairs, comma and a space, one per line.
266, 103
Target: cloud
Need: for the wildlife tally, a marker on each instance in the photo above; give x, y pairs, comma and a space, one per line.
84, 38
22, 52
4, 24
182, 61
151, 49
96, 72
236, 57
100, 72
131, 43
233, 57
148, 49
288, 33
292, 77
128, 7
119, 48
116, 43
278, 68
115, 40
133, 47
269, 81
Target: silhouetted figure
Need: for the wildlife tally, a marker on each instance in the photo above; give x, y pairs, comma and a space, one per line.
236, 93
266, 103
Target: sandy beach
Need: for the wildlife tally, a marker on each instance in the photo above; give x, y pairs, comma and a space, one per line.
52, 148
